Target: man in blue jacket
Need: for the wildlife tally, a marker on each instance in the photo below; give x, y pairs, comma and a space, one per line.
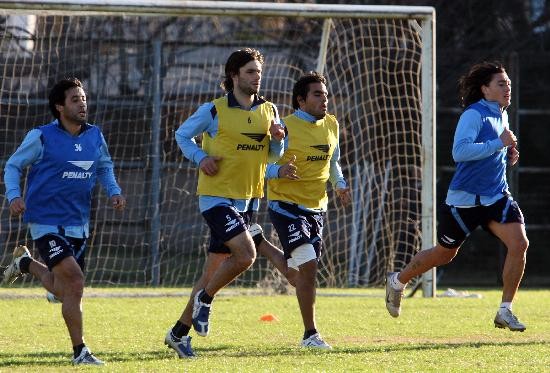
478, 195
66, 158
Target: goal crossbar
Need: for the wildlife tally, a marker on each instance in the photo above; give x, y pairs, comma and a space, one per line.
175, 8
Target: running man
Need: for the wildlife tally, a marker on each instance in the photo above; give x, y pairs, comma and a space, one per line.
478, 195
297, 207
66, 158
239, 131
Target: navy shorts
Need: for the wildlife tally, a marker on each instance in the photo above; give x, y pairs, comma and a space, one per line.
455, 223
53, 248
296, 227
225, 222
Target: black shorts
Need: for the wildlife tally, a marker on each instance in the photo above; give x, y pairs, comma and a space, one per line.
225, 222
455, 223
296, 227
53, 248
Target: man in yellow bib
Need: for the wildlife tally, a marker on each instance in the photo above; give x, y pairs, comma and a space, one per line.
297, 207
239, 131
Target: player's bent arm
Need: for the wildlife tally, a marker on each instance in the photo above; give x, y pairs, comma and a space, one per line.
106, 178
336, 176
467, 130
199, 122
277, 147
272, 171
29, 152
105, 172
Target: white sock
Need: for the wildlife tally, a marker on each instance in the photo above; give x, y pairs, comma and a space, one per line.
507, 305
395, 283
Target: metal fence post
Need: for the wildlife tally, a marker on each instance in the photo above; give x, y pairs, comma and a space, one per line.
155, 164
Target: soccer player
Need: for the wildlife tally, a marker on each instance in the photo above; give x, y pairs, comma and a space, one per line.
297, 207
239, 131
478, 194
66, 158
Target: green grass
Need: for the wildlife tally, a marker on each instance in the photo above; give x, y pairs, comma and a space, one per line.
443, 334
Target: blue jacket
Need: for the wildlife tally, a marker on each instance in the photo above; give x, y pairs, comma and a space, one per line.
64, 171
481, 170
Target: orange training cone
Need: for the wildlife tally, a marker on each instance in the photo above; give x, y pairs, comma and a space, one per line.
269, 317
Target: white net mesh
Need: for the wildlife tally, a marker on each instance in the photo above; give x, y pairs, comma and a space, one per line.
373, 69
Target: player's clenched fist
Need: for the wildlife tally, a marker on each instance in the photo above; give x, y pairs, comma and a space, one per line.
209, 165
277, 131
17, 206
288, 170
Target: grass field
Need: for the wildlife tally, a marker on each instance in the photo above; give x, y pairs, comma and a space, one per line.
126, 328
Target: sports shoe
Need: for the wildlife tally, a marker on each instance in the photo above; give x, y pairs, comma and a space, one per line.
201, 313
181, 345
315, 341
13, 272
393, 297
506, 319
52, 298
255, 229
87, 358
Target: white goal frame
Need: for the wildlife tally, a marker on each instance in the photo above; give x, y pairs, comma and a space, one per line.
176, 7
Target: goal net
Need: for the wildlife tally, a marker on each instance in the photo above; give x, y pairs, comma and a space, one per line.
147, 68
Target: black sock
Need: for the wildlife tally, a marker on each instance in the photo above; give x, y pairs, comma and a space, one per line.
78, 349
205, 298
309, 333
180, 329
24, 264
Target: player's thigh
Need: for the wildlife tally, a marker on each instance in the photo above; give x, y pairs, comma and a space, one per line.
68, 277
513, 235
242, 245
506, 221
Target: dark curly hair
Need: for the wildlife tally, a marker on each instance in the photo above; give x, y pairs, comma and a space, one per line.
57, 94
301, 87
479, 75
237, 60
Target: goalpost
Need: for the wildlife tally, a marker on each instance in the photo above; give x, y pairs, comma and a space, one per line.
147, 65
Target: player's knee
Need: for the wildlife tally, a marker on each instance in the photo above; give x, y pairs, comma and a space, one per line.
245, 259
519, 247
291, 275
73, 286
69, 277
308, 271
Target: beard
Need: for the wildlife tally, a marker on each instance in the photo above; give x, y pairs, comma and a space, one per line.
77, 118
248, 89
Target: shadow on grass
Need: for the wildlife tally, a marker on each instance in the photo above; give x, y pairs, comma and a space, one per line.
436, 346
63, 359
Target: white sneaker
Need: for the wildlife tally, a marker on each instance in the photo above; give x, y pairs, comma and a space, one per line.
13, 272
201, 315
393, 297
52, 298
506, 319
315, 341
255, 229
181, 345
257, 233
87, 358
